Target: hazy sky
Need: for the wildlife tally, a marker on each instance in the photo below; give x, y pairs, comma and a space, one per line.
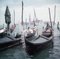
40, 6
28, 2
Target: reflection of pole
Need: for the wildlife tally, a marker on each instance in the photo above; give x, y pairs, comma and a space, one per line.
50, 17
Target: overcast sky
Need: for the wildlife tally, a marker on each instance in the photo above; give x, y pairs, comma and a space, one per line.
40, 6
28, 2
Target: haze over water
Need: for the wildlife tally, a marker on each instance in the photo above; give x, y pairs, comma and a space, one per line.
40, 7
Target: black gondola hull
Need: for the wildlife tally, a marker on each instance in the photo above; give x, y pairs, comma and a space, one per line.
9, 44
32, 48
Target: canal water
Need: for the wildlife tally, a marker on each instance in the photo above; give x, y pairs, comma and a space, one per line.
19, 52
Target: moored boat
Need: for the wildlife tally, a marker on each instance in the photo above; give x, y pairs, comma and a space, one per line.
48, 32
34, 44
8, 41
39, 42
30, 32
6, 38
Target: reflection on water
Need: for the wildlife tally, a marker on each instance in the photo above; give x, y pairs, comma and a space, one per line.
50, 53
42, 55
20, 53
13, 53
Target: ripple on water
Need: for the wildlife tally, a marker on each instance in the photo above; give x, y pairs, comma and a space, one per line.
20, 53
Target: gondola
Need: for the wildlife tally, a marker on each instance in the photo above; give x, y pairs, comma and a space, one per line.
39, 42
48, 32
8, 41
30, 32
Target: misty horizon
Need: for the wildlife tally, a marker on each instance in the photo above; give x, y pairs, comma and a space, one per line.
40, 6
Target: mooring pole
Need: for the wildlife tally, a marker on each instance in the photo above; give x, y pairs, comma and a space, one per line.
50, 17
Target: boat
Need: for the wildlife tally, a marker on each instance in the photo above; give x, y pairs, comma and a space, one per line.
6, 38
39, 42
42, 41
35, 44
8, 41
47, 32
30, 32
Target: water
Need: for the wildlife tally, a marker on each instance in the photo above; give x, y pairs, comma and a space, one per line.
20, 53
